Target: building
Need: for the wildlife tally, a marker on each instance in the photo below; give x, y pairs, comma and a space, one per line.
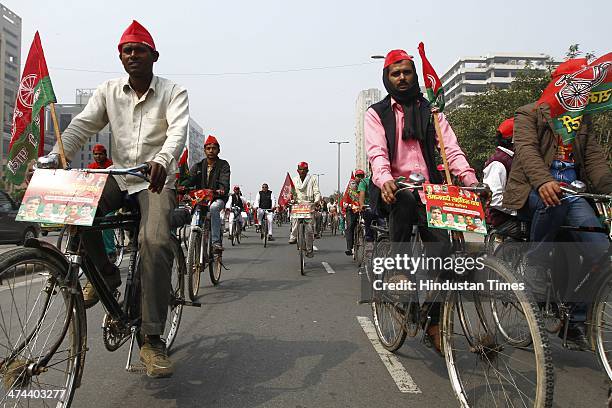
472, 75
364, 100
195, 142
10, 63
65, 112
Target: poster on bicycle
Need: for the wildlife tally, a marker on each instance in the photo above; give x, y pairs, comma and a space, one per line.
453, 208
62, 197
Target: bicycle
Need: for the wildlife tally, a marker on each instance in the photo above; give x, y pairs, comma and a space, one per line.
264, 228
484, 369
46, 325
236, 227
359, 239
200, 248
302, 213
593, 286
119, 238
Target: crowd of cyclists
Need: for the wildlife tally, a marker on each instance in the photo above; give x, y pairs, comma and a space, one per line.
526, 176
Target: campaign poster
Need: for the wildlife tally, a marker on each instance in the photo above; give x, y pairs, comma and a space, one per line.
455, 209
62, 197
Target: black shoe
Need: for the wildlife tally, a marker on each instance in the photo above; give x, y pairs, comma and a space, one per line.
348, 252
576, 337
270, 238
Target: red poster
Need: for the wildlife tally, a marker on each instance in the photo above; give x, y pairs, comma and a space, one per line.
62, 197
455, 209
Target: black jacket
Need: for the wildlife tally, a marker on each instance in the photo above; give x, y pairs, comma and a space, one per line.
219, 177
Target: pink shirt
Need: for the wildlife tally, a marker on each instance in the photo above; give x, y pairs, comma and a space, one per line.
408, 156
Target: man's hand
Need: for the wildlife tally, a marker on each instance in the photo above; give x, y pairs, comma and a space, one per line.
549, 193
388, 192
29, 173
158, 175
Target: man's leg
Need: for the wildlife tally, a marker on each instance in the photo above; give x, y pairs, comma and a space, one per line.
155, 276
368, 217
309, 238
293, 233
110, 200
350, 231
215, 221
270, 223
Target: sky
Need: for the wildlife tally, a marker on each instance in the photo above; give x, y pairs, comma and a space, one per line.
276, 80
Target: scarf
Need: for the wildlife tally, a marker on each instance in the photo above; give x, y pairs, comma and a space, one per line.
413, 128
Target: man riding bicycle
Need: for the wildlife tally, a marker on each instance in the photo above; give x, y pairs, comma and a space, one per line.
235, 200
265, 200
306, 191
400, 140
215, 177
149, 116
542, 160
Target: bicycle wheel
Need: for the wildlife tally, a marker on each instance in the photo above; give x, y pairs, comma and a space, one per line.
265, 230
177, 294
302, 246
44, 323
388, 314
360, 245
214, 268
484, 367
234, 232
194, 266
601, 325
238, 233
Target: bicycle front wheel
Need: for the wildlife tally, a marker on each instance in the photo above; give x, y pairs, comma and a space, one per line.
484, 367
43, 324
238, 232
360, 245
194, 266
601, 328
177, 294
214, 268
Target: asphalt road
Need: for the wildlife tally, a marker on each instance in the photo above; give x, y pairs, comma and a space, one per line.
269, 337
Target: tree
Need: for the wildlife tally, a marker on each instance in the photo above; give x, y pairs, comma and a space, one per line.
476, 123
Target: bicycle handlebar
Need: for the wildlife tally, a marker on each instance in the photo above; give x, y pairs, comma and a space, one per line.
597, 197
137, 171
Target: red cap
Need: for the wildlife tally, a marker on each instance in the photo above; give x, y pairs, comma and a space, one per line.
396, 56
211, 140
136, 33
359, 172
570, 66
303, 165
236, 187
506, 129
98, 148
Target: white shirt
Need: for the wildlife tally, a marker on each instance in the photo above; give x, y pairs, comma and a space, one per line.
495, 177
150, 128
307, 190
256, 205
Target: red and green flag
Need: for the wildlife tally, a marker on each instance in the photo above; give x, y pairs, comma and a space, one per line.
435, 92
183, 167
287, 190
34, 93
578, 88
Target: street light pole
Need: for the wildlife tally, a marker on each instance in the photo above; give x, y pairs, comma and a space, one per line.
338, 143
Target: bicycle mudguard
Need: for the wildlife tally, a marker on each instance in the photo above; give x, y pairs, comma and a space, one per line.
49, 249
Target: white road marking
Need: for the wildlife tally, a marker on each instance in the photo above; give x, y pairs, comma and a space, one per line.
328, 268
402, 379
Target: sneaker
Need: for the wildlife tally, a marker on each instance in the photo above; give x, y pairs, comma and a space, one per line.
156, 361
293, 241
348, 252
309, 254
270, 238
90, 297
217, 247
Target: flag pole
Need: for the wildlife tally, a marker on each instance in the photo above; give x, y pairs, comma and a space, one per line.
442, 148
58, 137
